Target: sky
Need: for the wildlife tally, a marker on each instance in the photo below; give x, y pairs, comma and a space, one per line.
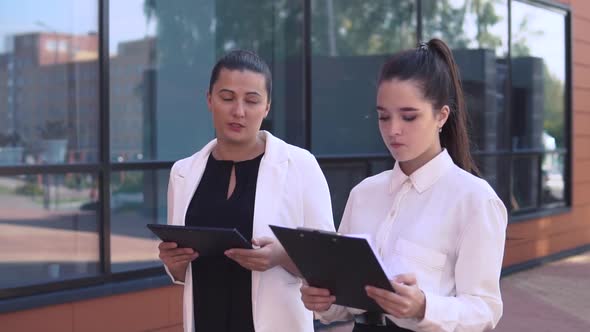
128, 22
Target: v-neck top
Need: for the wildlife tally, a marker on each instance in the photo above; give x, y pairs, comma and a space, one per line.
222, 289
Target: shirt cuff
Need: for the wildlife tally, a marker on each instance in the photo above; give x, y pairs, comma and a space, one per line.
174, 280
434, 308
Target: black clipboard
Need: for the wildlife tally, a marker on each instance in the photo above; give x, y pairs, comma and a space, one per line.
207, 241
342, 264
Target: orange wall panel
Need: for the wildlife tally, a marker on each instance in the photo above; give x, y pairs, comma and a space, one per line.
580, 28
581, 194
581, 100
582, 124
57, 318
581, 76
581, 172
138, 311
581, 53
581, 8
546, 246
581, 148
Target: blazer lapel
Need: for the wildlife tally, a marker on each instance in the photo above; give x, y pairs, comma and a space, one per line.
271, 179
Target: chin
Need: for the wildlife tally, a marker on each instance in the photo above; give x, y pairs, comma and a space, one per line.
402, 157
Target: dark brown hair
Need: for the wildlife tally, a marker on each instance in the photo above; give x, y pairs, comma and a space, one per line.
431, 65
242, 60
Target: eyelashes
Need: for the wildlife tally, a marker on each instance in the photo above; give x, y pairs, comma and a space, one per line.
405, 118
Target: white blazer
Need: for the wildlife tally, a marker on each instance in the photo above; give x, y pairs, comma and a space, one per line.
291, 191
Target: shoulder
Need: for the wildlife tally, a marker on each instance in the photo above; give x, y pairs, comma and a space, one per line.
467, 185
282, 150
373, 184
183, 166
474, 195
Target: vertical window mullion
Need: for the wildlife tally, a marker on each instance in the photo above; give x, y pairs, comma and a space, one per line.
105, 172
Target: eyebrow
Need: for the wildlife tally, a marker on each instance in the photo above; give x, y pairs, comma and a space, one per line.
247, 93
403, 109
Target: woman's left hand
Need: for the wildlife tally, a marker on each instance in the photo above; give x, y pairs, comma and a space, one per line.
269, 255
408, 301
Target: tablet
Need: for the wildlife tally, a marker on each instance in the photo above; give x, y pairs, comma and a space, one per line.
342, 264
207, 241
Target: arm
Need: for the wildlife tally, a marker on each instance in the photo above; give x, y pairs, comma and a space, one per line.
337, 312
478, 303
175, 259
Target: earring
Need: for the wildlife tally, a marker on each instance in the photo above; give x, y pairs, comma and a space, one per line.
440, 130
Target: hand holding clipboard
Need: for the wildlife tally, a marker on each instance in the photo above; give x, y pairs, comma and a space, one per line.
342, 264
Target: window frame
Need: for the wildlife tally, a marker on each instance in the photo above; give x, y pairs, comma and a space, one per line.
109, 283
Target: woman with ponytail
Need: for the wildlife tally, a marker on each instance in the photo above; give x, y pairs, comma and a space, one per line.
438, 228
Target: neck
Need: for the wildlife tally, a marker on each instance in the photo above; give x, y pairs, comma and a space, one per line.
410, 166
225, 150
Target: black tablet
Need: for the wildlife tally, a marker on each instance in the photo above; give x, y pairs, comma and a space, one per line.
207, 241
342, 264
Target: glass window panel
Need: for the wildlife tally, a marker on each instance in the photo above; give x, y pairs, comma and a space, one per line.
49, 89
553, 183
526, 182
350, 41
162, 53
538, 77
477, 33
137, 198
495, 169
342, 176
48, 228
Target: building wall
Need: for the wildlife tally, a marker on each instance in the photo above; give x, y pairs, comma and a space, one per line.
161, 309
541, 237
157, 310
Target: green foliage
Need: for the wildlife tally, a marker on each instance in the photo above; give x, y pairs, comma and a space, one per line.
128, 182
30, 188
350, 27
554, 106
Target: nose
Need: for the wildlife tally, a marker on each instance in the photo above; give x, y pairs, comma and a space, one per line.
395, 127
239, 110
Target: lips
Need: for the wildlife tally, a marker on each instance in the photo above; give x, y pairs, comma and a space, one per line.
236, 127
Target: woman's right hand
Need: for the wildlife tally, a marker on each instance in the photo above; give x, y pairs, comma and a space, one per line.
316, 299
176, 259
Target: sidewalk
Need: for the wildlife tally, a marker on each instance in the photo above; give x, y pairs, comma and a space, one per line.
549, 298
554, 297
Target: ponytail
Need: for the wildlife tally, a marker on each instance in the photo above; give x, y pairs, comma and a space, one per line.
454, 136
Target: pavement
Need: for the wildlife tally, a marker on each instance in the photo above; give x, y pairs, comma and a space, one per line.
554, 297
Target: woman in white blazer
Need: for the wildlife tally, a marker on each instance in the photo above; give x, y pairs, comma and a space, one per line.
248, 179
438, 229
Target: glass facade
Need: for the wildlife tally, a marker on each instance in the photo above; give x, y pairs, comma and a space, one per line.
84, 190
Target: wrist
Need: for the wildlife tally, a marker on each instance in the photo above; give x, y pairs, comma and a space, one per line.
422, 310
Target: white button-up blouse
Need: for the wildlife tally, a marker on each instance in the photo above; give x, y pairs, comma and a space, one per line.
442, 224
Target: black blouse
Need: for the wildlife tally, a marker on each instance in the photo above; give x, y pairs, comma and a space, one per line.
222, 289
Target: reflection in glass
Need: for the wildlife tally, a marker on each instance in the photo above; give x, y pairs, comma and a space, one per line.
526, 183
162, 53
538, 102
538, 74
350, 41
137, 198
48, 83
48, 228
553, 185
341, 178
477, 33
